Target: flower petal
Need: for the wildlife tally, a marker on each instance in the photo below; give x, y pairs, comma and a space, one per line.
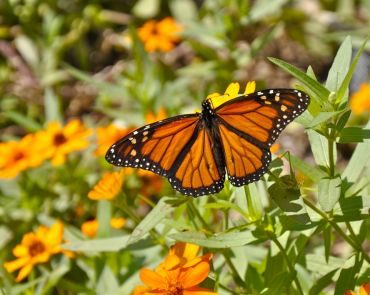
232, 90
16, 264
171, 262
198, 291
250, 88
152, 279
24, 272
195, 275
20, 250
365, 289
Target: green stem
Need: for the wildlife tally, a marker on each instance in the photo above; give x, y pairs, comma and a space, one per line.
289, 264
331, 154
200, 217
338, 229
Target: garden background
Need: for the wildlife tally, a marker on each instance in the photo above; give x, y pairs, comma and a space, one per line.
76, 76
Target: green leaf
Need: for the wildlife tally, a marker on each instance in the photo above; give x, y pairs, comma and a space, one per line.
317, 263
348, 276
158, 213
321, 93
99, 245
107, 282
288, 198
263, 8
328, 193
327, 234
343, 120
319, 147
146, 8
340, 65
52, 106
224, 240
309, 171
341, 93
183, 10
24, 121
322, 117
358, 161
354, 134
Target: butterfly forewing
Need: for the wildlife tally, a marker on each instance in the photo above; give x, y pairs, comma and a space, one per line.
154, 147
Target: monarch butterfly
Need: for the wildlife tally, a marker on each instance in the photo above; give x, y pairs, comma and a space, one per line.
194, 151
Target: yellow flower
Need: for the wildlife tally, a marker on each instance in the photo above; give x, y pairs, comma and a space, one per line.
90, 228
231, 92
364, 290
17, 156
179, 274
360, 100
36, 248
160, 35
108, 187
108, 135
63, 140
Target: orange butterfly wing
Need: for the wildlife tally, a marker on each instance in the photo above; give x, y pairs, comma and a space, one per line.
249, 125
178, 148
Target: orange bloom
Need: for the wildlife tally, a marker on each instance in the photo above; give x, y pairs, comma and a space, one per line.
17, 156
231, 92
36, 248
108, 135
63, 140
160, 35
90, 228
275, 148
360, 100
108, 187
364, 290
179, 274
117, 222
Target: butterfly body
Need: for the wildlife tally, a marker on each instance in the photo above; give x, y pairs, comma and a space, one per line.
195, 151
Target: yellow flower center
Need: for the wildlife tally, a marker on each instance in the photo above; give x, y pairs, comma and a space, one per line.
36, 248
59, 139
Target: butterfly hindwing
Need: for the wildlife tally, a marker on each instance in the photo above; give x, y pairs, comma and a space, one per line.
199, 169
250, 124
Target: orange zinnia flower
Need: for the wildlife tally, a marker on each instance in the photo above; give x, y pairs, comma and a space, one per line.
160, 36
179, 274
364, 290
17, 156
90, 228
108, 135
63, 140
37, 248
108, 187
360, 100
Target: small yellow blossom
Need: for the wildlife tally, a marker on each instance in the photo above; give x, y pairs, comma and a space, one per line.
180, 273
231, 92
360, 100
36, 248
108, 187
160, 35
63, 140
106, 136
17, 156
